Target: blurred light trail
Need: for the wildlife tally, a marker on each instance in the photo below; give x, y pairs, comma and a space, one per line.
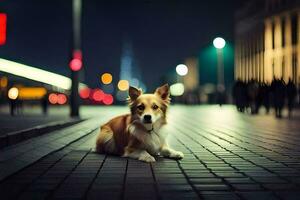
32, 92
177, 89
181, 69
106, 78
123, 85
36, 74
13, 93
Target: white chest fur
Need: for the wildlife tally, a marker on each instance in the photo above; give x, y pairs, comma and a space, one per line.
152, 141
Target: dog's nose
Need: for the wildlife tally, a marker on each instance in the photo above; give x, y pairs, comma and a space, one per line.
147, 118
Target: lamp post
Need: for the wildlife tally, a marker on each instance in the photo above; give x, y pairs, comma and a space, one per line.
76, 60
219, 44
181, 71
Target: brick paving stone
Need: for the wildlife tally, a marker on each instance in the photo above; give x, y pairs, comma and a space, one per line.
288, 195
218, 195
258, 195
212, 187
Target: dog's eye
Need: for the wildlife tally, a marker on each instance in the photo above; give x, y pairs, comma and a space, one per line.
141, 107
154, 107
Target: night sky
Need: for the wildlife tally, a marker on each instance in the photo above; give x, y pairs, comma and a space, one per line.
162, 33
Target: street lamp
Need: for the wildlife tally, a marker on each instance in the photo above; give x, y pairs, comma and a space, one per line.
181, 70
219, 44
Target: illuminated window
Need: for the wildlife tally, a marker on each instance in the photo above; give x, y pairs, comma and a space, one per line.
283, 68
273, 35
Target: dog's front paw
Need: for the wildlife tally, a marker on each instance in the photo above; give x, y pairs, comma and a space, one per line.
176, 155
146, 157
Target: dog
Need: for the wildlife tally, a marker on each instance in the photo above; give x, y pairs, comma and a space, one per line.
138, 135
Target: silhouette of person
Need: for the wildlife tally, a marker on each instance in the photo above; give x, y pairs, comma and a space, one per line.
12, 106
240, 95
278, 92
266, 95
44, 103
253, 89
291, 92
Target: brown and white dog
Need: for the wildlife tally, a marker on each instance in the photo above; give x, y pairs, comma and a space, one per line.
137, 135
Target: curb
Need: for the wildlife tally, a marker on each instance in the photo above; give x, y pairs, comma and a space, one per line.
19, 136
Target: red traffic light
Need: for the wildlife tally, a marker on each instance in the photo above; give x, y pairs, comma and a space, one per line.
3, 19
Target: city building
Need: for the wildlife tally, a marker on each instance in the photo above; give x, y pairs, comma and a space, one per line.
267, 40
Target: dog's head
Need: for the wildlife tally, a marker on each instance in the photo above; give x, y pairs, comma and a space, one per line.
149, 108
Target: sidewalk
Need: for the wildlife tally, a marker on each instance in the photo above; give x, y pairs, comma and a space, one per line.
228, 155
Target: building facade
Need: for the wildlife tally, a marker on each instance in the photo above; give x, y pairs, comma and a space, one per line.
267, 40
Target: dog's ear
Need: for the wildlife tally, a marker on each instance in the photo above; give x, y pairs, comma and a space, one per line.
134, 93
163, 92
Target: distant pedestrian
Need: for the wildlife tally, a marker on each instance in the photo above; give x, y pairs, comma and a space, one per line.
240, 95
253, 89
278, 96
291, 92
44, 103
12, 106
266, 93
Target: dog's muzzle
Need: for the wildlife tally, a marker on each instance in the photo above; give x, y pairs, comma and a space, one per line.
147, 119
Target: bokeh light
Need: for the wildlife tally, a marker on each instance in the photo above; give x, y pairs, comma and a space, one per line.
75, 64
108, 99
181, 69
108, 88
84, 93
122, 95
123, 85
219, 43
98, 95
53, 98
3, 82
13, 93
106, 78
61, 99
177, 89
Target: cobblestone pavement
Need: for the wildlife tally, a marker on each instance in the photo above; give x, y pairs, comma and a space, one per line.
228, 155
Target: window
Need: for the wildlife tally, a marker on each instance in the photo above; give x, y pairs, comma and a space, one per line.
273, 35
283, 32
294, 28
294, 68
283, 68
273, 67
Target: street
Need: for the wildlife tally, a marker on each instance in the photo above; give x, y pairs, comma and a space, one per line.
228, 155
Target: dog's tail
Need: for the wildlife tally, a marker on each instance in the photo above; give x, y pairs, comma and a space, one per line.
105, 142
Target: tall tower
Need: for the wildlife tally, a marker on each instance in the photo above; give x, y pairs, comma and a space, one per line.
129, 69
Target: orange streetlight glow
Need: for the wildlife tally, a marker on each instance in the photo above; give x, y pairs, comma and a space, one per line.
106, 78
3, 82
